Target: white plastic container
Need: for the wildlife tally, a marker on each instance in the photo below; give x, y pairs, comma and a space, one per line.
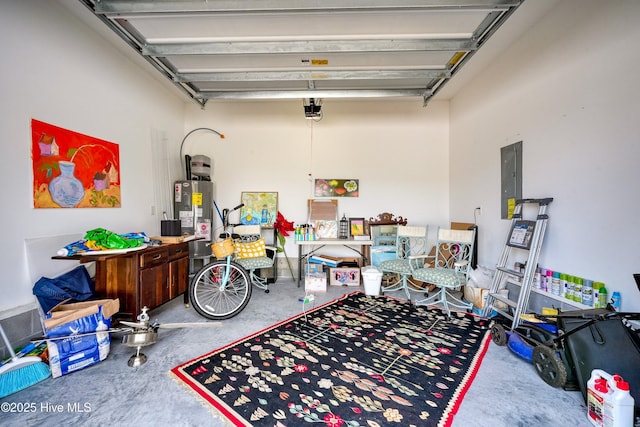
609, 403
372, 280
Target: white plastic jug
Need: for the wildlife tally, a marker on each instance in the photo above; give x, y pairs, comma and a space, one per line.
609, 403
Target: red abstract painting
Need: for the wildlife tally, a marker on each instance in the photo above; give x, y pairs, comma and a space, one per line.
72, 170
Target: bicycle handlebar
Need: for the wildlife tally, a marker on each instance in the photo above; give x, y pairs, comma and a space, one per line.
225, 215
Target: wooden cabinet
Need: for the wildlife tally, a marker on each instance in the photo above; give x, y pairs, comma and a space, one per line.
149, 277
178, 270
153, 283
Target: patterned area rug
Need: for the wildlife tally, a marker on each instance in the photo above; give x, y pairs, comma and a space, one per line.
356, 361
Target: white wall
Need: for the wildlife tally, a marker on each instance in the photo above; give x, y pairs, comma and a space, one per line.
57, 70
397, 149
568, 89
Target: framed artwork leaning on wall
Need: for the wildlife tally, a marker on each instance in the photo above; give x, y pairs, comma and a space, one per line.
357, 228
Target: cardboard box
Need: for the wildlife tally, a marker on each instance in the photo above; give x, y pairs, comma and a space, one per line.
328, 260
315, 282
77, 322
461, 225
173, 239
69, 312
344, 276
314, 268
478, 297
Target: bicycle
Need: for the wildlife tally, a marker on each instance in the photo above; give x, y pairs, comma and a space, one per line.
222, 288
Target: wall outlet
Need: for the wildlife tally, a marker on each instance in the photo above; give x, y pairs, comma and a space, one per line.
479, 210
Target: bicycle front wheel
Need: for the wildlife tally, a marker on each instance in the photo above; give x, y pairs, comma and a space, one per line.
216, 299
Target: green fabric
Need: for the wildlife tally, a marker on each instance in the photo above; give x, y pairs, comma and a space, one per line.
110, 240
400, 266
255, 263
439, 277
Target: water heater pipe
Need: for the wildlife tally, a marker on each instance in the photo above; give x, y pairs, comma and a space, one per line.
187, 136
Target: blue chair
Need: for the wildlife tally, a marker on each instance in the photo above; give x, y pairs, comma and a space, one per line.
450, 268
411, 245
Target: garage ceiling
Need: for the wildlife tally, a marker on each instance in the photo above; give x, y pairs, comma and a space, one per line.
275, 49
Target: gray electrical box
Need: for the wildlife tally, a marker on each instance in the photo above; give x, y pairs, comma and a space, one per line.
511, 176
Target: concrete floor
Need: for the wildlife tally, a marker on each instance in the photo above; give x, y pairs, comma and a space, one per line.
506, 391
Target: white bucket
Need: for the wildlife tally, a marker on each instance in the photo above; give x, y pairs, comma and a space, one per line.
372, 279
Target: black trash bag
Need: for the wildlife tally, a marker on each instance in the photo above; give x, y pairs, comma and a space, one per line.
75, 285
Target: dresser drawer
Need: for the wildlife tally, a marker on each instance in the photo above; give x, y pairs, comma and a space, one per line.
149, 259
178, 251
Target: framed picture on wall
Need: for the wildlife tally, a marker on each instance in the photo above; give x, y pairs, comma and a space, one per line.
336, 187
73, 170
260, 208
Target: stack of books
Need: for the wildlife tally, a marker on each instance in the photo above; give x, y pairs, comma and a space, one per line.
325, 260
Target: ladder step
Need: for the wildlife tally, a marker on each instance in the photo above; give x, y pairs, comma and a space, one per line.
510, 271
527, 235
505, 314
504, 299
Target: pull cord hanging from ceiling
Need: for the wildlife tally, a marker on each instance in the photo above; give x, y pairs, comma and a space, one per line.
310, 124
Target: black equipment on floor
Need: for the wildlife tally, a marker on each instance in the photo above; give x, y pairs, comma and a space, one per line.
606, 344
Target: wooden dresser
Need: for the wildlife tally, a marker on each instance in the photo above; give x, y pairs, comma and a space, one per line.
147, 277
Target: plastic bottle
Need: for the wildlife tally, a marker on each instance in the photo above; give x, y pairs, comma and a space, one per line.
603, 298
536, 279
587, 292
615, 300
523, 268
597, 390
568, 294
563, 285
577, 289
102, 338
596, 293
555, 284
609, 402
621, 406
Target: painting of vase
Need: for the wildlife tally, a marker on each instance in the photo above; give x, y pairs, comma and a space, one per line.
66, 190
72, 170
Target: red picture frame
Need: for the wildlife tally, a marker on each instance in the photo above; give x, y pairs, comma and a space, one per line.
72, 170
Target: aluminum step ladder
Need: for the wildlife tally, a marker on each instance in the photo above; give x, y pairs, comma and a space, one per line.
524, 235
